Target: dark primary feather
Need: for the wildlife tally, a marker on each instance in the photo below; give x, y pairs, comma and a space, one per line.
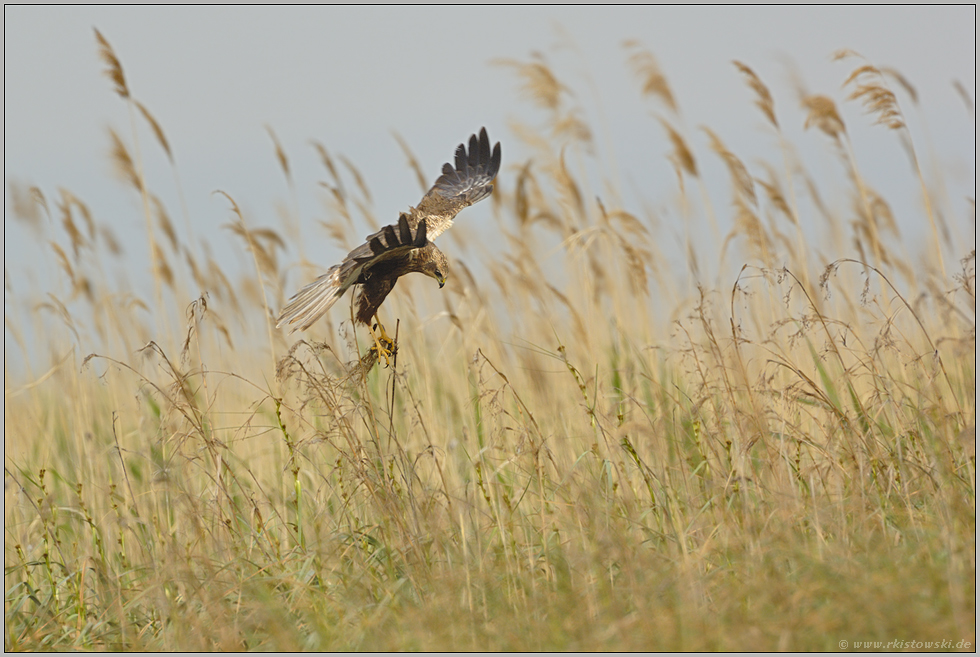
470, 180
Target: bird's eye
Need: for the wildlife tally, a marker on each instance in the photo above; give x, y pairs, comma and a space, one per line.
438, 274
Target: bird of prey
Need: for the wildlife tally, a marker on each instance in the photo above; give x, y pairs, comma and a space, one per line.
402, 247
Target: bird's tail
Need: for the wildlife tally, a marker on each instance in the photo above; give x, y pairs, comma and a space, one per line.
312, 302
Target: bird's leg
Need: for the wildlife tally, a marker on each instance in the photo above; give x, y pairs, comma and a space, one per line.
384, 336
383, 344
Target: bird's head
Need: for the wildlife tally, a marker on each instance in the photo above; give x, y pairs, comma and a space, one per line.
435, 264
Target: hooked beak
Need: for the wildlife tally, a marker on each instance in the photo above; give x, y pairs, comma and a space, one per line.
442, 281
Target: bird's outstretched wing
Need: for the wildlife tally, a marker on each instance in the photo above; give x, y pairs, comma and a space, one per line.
471, 180
313, 301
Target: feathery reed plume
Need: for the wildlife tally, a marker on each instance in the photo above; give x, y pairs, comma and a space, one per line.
682, 156
64, 262
788, 207
413, 162
157, 130
635, 253
965, 95
763, 98
774, 193
165, 145
163, 269
329, 165
122, 162
263, 243
262, 259
876, 98
521, 209
540, 85
26, 204
645, 67
741, 180
163, 219
902, 81
869, 87
55, 306
337, 201
822, 114
40, 200
114, 70
219, 283
68, 222
109, 240
83, 210
131, 169
572, 126
358, 178
568, 189
747, 223
280, 154
196, 273
881, 212
336, 231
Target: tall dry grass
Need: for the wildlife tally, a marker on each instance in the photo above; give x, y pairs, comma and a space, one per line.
579, 447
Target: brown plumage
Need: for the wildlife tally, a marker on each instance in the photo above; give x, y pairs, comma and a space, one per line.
402, 247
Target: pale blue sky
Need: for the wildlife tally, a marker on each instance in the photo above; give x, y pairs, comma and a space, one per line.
348, 77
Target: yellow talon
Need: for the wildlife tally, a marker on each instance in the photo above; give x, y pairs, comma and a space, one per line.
383, 344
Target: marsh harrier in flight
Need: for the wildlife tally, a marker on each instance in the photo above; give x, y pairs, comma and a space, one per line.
402, 247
